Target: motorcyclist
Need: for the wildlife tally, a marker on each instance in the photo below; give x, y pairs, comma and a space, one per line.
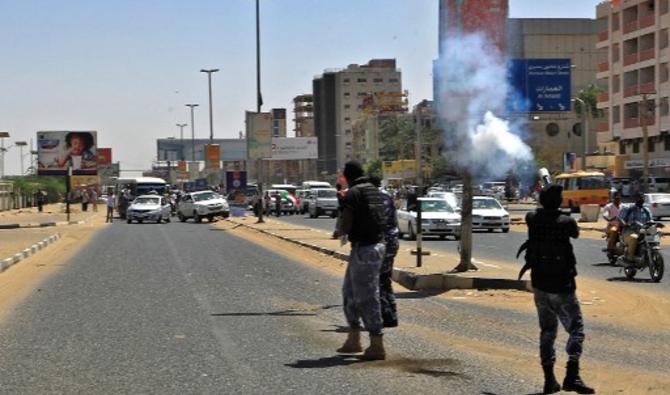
611, 215
631, 218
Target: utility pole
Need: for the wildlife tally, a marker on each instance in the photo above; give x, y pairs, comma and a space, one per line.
259, 103
192, 106
644, 112
21, 144
418, 127
585, 131
3, 136
211, 117
181, 137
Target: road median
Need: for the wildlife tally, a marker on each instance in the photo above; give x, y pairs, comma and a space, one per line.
434, 275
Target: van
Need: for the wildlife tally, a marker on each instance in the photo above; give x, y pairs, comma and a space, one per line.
315, 184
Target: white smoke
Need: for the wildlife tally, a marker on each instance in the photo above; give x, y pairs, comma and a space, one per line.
472, 87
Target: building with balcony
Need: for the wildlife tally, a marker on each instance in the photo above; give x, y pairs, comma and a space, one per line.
339, 100
303, 112
634, 68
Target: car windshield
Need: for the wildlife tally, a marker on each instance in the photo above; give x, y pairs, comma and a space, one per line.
655, 197
205, 196
436, 206
485, 204
327, 194
146, 200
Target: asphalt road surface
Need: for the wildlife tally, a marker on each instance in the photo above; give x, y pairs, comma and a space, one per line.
188, 308
592, 262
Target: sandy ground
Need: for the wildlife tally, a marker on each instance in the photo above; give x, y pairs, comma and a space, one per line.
616, 304
51, 213
25, 277
13, 241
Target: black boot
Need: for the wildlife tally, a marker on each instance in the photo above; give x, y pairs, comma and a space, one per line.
573, 382
551, 386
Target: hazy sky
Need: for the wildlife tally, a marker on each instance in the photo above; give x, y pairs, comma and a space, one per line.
126, 68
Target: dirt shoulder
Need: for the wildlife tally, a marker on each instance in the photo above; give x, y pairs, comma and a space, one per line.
22, 279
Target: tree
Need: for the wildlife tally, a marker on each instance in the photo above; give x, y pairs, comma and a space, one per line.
374, 167
395, 135
589, 96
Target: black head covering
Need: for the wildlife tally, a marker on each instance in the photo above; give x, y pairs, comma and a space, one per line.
352, 171
551, 197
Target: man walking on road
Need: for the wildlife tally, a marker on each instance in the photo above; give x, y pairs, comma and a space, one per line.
364, 222
110, 207
552, 262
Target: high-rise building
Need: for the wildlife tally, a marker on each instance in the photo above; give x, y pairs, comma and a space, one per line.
634, 66
339, 97
303, 110
472, 16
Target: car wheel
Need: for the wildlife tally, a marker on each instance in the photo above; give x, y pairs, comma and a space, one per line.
312, 215
130, 221
167, 220
210, 218
334, 214
196, 217
442, 237
657, 218
505, 230
457, 237
225, 214
181, 217
139, 221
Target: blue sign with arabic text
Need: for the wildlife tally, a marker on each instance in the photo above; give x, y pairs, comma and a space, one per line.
540, 85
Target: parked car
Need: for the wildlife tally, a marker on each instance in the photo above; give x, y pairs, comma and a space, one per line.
287, 204
658, 204
148, 208
450, 197
438, 218
203, 204
322, 202
303, 196
489, 214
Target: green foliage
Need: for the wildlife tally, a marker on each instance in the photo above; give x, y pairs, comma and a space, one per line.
589, 96
54, 186
374, 167
396, 135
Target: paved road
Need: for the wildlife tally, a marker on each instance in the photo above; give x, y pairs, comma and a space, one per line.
500, 246
187, 308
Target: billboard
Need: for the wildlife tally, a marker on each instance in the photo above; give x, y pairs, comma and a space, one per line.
290, 148
104, 157
236, 181
59, 150
79, 183
540, 85
259, 135
212, 156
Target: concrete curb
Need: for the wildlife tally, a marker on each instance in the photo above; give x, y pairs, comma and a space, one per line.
40, 224
414, 281
16, 258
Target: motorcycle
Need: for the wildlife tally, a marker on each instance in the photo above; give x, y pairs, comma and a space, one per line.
647, 255
613, 255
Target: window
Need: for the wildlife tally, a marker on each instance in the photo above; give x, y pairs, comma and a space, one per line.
393, 80
347, 119
552, 129
663, 39
362, 80
622, 148
651, 145
616, 114
346, 106
666, 142
615, 21
664, 6
615, 53
636, 147
378, 80
616, 83
346, 80
347, 94
664, 107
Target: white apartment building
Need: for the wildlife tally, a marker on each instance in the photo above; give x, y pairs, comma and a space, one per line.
635, 66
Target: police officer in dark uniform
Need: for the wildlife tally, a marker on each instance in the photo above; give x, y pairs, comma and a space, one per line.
552, 262
364, 222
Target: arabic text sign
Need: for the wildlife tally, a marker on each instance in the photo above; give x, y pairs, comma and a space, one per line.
58, 150
290, 148
540, 85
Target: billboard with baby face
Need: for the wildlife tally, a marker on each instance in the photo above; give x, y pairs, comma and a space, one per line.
59, 150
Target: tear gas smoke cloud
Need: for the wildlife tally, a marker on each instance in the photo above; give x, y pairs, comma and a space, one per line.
472, 87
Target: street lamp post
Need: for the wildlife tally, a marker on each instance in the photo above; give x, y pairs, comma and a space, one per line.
585, 131
181, 137
192, 106
211, 117
3, 136
21, 144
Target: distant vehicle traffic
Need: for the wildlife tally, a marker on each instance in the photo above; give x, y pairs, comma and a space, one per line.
141, 185
203, 204
489, 214
315, 184
583, 188
438, 218
322, 202
149, 208
450, 197
286, 205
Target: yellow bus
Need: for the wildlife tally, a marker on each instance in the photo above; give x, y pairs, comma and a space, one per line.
584, 187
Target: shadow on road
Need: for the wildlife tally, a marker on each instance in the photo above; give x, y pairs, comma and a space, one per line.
608, 264
632, 280
325, 362
282, 313
416, 294
337, 329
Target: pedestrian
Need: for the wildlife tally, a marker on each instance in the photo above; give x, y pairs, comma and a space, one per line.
363, 222
110, 206
386, 295
84, 200
40, 200
552, 262
94, 200
277, 198
340, 194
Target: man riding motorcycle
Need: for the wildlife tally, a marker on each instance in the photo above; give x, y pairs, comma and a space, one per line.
631, 218
611, 214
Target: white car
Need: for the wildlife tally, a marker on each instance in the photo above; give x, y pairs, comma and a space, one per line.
203, 204
148, 208
489, 214
322, 202
658, 204
438, 218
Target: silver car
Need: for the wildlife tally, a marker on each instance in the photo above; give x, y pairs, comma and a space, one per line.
148, 208
203, 204
323, 202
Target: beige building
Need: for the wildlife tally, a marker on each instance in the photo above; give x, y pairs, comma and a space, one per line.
634, 66
339, 99
552, 134
303, 110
